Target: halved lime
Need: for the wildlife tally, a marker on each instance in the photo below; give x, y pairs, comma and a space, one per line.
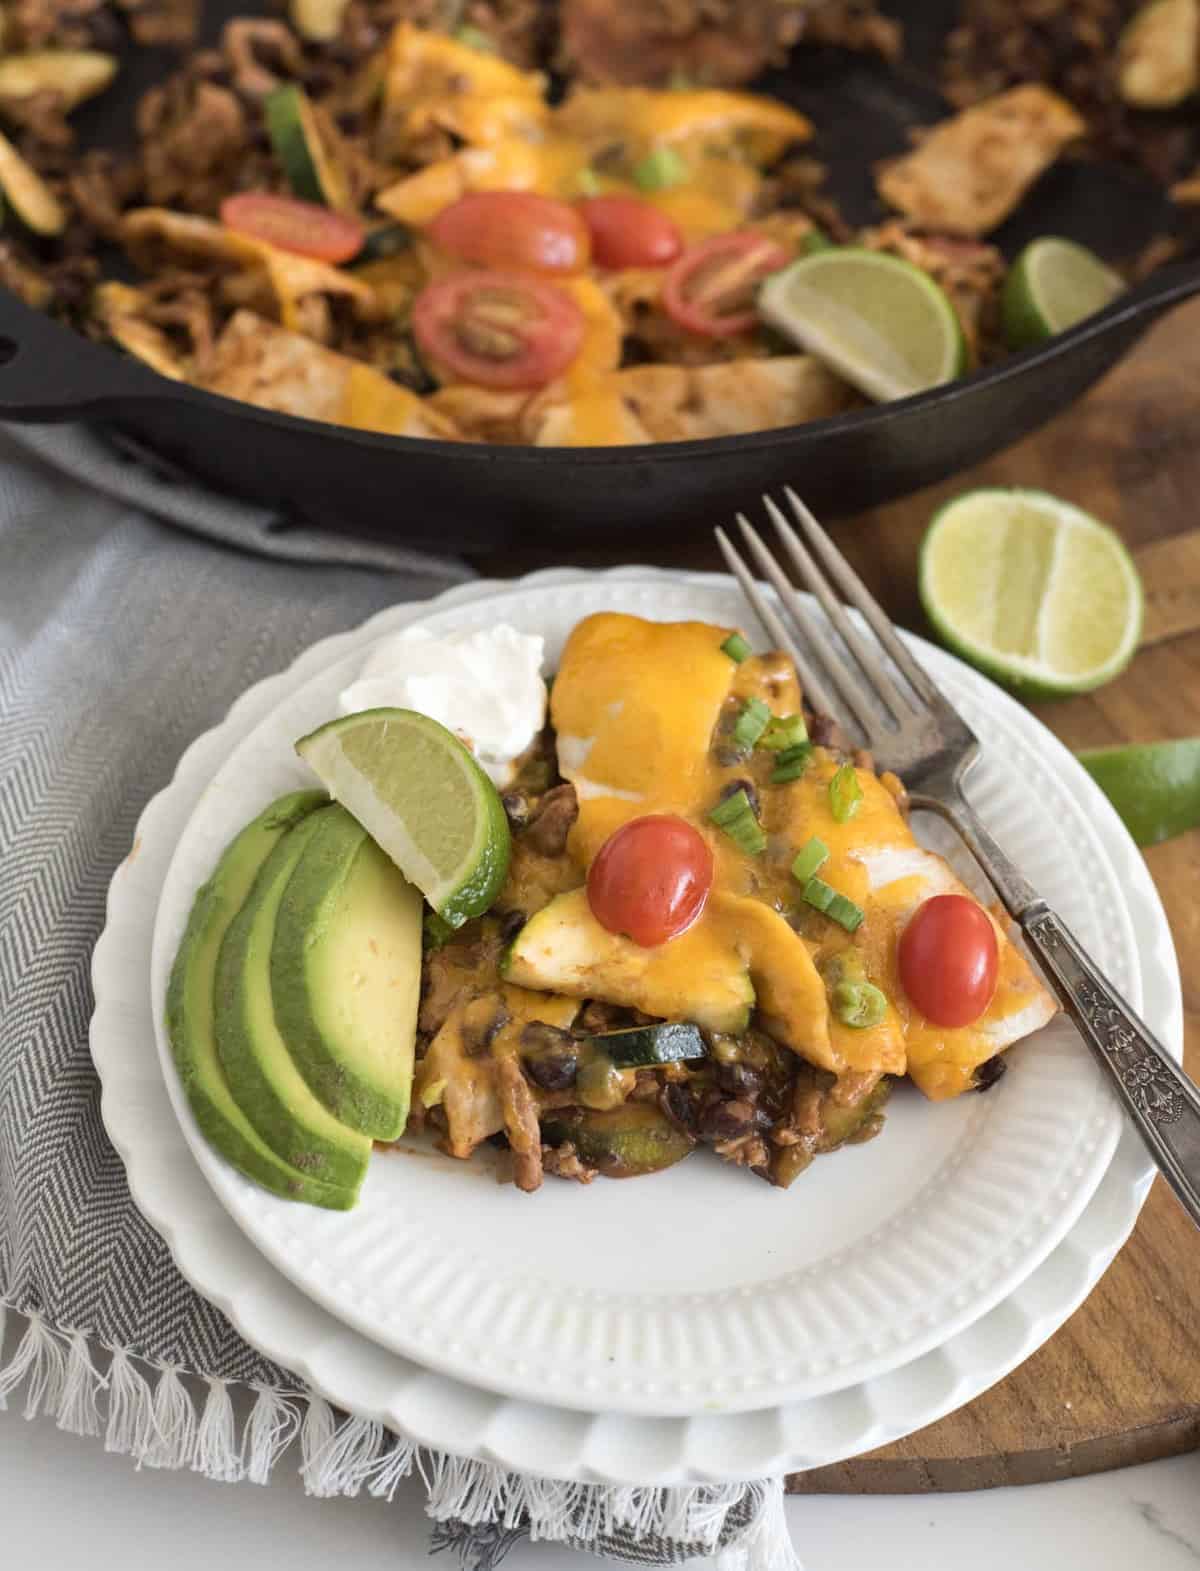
1155, 786
420, 795
1052, 285
880, 323
1032, 590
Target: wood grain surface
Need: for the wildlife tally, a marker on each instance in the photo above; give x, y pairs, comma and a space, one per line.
1120, 1382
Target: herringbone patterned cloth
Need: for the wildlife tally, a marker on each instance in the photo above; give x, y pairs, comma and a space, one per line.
121, 639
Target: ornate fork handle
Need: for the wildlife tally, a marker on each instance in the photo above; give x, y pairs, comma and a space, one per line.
1162, 1101
1158, 1096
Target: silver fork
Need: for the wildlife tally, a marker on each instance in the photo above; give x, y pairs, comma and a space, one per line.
912, 730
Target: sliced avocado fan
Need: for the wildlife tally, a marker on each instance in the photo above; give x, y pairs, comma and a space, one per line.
190, 1011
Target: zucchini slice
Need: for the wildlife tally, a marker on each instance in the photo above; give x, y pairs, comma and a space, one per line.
295, 134
30, 198
624, 1143
73, 75
643, 1046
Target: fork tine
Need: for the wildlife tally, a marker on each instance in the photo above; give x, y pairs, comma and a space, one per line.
852, 586
854, 696
867, 656
818, 694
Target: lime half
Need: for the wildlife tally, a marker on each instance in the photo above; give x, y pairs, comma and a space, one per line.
420, 795
1155, 786
1033, 591
880, 323
1052, 285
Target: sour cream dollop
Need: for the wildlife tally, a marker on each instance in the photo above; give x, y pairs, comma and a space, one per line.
486, 687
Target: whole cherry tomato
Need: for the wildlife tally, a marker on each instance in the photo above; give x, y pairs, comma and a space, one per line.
498, 329
302, 227
949, 958
513, 229
627, 232
710, 290
651, 879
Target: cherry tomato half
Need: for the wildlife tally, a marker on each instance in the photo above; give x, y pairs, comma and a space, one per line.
627, 232
651, 879
498, 329
302, 227
518, 229
949, 958
711, 289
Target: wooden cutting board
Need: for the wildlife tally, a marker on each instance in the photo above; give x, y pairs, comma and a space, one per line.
1120, 1382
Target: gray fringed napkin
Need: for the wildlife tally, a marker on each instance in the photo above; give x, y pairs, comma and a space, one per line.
121, 639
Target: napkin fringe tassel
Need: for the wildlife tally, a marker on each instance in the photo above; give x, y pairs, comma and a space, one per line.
168, 1419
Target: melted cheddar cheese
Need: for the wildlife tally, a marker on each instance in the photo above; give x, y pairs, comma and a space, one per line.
636, 707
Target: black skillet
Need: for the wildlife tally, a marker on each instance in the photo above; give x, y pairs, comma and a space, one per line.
478, 497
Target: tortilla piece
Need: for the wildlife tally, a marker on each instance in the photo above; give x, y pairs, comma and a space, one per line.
969, 172
678, 403
434, 82
708, 120
260, 363
286, 279
481, 414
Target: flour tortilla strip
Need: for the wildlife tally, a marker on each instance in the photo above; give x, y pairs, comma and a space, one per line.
291, 278
680, 403
969, 172
260, 363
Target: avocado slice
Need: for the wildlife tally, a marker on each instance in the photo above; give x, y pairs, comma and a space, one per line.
698, 976
254, 1052
189, 1012
346, 975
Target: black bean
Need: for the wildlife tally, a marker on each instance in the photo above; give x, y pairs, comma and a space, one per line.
989, 1072
727, 1120
516, 806
678, 1102
552, 1071
511, 924
739, 1079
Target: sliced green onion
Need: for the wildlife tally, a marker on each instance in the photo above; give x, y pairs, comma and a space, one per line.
436, 931
791, 764
661, 168
859, 1004
736, 647
835, 906
588, 182
809, 860
751, 724
474, 39
815, 240
845, 794
784, 732
736, 817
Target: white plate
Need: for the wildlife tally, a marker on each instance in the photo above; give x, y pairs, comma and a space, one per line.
436, 1411
699, 1290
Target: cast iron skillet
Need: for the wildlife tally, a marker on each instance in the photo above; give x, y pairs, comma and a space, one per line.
481, 497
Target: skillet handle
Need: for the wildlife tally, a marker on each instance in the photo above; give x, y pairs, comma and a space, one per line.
49, 373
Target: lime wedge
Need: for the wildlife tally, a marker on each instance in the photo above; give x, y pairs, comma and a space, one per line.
879, 323
1155, 786
423, 799
1052, 285
1032, 590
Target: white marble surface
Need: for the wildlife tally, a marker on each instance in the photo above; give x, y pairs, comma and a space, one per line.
64, 1504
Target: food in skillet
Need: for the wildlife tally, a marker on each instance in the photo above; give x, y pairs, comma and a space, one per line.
692, 918
391, 228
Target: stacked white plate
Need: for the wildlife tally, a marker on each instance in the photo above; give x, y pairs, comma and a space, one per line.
697, 1325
